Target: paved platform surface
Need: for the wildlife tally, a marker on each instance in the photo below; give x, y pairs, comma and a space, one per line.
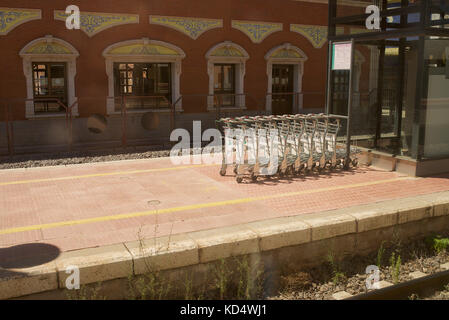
84, 206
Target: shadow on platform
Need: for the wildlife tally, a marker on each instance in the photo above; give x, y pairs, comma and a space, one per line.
25, 256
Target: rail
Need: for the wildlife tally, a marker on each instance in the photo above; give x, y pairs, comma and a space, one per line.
402, 291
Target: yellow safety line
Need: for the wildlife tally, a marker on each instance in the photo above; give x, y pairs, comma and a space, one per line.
192, 207
107, 174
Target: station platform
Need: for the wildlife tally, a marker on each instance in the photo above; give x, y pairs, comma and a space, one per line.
104, 218
91, 205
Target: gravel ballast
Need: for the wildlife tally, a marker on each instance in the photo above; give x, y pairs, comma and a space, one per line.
349, 275
79, 157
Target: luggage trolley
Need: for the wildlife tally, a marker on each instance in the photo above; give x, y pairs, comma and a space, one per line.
304, 143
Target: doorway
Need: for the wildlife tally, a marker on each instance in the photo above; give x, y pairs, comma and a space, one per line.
282, 90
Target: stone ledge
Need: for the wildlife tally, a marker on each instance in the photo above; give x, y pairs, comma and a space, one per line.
281, 232
96, 264
225, 242
374, 216
329, 224
441, 204
163, 253
25, 281
413, 209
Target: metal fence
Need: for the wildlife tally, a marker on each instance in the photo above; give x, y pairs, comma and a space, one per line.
65, 131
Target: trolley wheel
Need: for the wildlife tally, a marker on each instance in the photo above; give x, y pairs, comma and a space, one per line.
281, 174
355, 162
222, 172
239, 179
346, 163
253, 178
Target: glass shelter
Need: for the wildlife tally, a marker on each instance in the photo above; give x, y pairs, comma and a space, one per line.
400, 78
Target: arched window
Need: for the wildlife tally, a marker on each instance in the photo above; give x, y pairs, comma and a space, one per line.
285, 69
226, 69
147, 72
49, 65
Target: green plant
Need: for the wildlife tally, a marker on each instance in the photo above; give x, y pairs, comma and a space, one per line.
395, 267
337, 275
396, 241
150, 286
380, 254
188, 286
446, 287
250, 279
440, 244
85, 293
222, 278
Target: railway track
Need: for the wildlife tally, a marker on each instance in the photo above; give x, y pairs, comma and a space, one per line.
422, 287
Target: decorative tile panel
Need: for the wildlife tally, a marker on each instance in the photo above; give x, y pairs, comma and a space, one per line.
257, 31
11, 18
227, 52
48, 48
94, 22
317, 35
192, 27
143, 49
286, 54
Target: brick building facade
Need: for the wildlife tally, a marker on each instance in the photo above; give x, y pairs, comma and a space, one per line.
188, 55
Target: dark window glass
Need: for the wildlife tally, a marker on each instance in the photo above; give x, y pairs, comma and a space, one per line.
144, 85
49, 86
224, 84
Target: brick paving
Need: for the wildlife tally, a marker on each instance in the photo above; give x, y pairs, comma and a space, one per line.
36, 203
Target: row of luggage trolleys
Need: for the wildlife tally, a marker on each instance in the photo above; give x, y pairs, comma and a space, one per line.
303, 144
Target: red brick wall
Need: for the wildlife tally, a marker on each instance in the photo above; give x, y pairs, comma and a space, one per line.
91, 79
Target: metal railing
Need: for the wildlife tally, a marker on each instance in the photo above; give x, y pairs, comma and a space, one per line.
10, 108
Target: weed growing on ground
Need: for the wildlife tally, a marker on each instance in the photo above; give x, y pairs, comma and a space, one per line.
337, 275
380, 254
188, 287
446, 288
395, 267
222, 276
152, 285
440, 244
250, 283
396, 241
85, 293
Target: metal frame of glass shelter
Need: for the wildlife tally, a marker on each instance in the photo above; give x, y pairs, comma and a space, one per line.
401, 20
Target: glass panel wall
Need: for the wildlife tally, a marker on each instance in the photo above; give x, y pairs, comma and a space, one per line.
435, 102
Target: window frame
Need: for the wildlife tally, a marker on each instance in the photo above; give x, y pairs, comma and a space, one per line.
69, 57
239, 61
174, 60
298, 73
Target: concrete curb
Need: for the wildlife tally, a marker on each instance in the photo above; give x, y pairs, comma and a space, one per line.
178, 251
